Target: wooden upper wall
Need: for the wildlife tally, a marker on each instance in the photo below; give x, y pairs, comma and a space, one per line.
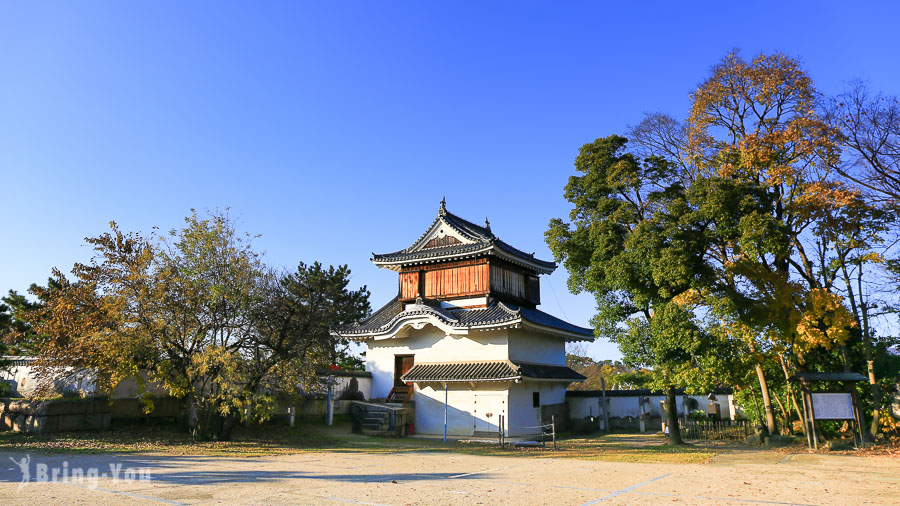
470, 278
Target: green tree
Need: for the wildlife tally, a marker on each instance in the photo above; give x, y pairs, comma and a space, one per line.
605, 373
15, 330
631, 242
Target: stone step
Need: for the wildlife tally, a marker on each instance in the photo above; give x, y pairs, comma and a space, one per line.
375, 425
376, 421
376, 432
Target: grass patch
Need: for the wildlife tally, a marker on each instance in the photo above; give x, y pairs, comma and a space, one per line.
313, 436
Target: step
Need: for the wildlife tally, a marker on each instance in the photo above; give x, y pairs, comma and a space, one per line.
375, 426
384, 415
382, 433
375, 421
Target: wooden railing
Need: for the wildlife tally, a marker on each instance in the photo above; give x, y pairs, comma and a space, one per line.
731, 430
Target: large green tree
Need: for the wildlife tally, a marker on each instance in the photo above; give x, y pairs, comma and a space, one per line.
632, 243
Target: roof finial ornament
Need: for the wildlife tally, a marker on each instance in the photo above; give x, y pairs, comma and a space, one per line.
487, 223
443, 209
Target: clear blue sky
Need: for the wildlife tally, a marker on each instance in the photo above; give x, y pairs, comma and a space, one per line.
334, 128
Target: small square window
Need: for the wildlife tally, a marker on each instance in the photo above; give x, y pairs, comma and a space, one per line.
535, 399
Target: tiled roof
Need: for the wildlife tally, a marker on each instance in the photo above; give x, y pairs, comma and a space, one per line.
497, 314
498, 370
483, 242
542, 371
462, 371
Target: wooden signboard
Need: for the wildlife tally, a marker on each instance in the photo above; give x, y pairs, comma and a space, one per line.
832, 406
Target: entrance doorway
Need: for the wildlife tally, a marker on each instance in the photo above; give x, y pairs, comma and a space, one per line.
402, 364
487, 411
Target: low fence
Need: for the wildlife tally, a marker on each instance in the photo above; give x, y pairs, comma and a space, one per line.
731, 430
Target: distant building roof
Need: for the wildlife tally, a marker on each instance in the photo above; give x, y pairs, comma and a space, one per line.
343, 373
496, 315
636, 392
808, 377
497, 370
468, 240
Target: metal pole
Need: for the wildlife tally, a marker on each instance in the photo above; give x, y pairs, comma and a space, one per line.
329, 401
445, 412
605, 404
642, 421
291, 411
553, 428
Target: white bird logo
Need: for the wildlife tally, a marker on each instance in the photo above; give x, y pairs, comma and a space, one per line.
24, 467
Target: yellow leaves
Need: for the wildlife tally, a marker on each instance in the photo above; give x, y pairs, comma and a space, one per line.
757, 120
825, 321
688, 298
820, 198
873, 257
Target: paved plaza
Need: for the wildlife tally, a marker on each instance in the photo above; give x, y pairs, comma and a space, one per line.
745, 477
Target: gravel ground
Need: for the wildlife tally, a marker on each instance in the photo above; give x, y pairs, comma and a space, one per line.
748, 477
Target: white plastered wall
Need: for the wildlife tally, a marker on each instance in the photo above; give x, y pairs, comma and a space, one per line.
429, 344
524, 417
536, 348
468, 408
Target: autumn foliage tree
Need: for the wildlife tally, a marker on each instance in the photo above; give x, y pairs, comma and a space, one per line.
197, 313
743, 235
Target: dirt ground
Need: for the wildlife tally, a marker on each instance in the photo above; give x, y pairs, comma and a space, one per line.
424, 477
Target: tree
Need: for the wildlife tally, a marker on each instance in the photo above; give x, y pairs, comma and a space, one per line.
755, 158
869, 124
631, 243
196, 312
605, 374
15, 330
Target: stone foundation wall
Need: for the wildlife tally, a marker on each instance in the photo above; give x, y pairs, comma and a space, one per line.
133, 409
54, 415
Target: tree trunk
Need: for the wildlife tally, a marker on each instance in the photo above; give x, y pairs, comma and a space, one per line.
767, 401
870, 361
861, 311
192, 418
791, 397
785, 414
674, 436
225, 430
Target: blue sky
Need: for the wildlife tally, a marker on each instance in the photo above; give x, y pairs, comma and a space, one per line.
334, 128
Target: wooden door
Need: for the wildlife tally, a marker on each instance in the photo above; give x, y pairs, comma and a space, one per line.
402, 364
488, 407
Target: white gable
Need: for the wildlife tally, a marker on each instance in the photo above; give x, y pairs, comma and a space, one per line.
439, 230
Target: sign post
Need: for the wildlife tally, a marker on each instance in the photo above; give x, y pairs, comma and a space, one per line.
445, 411
833, 405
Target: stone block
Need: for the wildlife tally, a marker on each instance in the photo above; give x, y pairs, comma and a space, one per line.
43, 424
21, 406
61, 407
94, 421
100, 405
71, 423
18, 422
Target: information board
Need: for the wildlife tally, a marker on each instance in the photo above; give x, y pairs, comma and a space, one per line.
832, 406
